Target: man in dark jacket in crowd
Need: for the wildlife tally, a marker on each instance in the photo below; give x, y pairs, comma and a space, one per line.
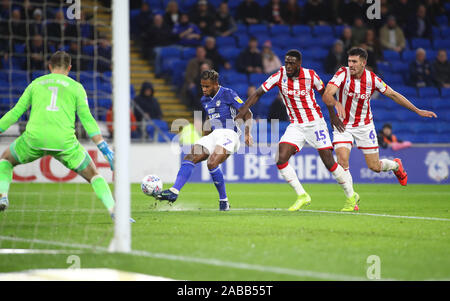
250, 60
146, 105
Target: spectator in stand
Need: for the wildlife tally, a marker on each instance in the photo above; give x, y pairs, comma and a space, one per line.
145, 18
250, 60
159, 34
56, 30
420, 70
273, 12
224, 24
36, 25
172, 15
135, 134
189, 89
36, 54
203, 18
316, 13
384, 14
104, 53
420, 25
391, 36
146, 106
441, 69
292, 13
359, 30
18, 29
75, 53
213, 54
336, 58
435, 8
84, 29
372, 45
188, 33
403, 10
249, 12
277, 110
347, 38
271, 62
387, 139
352, 10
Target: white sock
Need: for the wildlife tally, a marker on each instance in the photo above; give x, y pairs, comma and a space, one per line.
290, 176
344, 178
388, 165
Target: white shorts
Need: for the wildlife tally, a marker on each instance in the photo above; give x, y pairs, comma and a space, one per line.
365, 137
315, 133
226, 138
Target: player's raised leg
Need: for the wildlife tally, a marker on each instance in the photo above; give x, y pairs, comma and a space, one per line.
219, 156
343, 155
198, 154
285, 151
385, 165
7, 163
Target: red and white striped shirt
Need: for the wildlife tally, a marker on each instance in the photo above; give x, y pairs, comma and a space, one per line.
297, 94
354, 95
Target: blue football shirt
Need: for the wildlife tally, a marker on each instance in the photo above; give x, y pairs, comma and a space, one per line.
222, 109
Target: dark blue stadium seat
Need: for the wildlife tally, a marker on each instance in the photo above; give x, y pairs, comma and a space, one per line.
407, 91
36, 74
262, 38
188, 52
442, 20
257, 79
420, 43
282, 41
280, 30
408, 56
19, 76
445, 32
428, 92
242, 40
393, 79
231, 77
436, 32
240, 89
423, 103
323, 30
257, 29
88, 50
391, 55
170, 52
442, 44
104, 102
19, 48
298, 30
230, 53
225, 42
399, 67
445, 92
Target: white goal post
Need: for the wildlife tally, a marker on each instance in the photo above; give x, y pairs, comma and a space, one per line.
121, 106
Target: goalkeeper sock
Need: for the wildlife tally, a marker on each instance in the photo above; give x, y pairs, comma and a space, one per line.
6, 174
101, 189
343, 178
387, 165
289, 175
183, 174
217, 177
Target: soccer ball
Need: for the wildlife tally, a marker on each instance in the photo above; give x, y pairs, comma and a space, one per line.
151, 185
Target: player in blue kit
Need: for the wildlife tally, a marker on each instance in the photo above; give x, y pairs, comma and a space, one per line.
221, 104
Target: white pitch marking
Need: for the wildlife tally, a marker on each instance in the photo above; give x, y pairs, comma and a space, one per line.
207, 261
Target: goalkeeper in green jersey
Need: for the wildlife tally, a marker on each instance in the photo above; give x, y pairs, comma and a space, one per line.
55, 99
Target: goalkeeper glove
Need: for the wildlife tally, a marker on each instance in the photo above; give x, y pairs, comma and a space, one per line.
107, 152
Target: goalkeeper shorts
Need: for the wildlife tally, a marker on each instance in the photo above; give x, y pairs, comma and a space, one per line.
75, 158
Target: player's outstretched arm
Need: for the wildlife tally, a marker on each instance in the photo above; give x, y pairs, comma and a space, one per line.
331, 103
248, 119
104, 148
243, 111
14, 114
401, 100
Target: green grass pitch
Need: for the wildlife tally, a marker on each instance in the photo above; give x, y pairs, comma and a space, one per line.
408, 228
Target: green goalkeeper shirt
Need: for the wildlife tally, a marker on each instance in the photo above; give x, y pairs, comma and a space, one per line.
54, 100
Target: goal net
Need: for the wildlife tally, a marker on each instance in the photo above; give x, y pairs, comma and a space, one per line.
51, 207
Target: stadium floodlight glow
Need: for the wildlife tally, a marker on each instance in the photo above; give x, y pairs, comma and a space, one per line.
121, 106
